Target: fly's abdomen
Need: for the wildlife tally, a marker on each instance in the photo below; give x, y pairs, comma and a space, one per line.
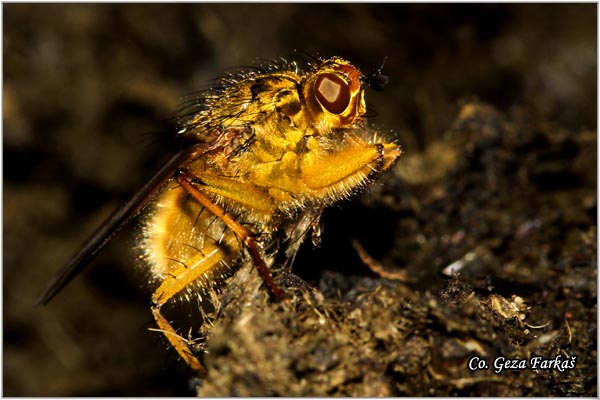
184, 243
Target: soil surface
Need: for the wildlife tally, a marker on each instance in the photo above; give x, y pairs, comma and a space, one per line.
478, 248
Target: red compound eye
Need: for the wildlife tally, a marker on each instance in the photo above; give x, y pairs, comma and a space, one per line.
332, 92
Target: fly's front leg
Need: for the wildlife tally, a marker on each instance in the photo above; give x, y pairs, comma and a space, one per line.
349, 167
186, 180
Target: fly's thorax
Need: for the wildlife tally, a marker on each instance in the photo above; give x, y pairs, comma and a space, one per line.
327, 97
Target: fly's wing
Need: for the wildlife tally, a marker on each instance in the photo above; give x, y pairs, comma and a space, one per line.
116, 222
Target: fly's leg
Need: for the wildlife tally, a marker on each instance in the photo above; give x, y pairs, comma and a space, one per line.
186, 180
350, 165
178, 343
178, 281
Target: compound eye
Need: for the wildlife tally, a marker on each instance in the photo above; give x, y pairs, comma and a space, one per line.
332, 92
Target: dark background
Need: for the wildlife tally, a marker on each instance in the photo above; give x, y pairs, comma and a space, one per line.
83, 84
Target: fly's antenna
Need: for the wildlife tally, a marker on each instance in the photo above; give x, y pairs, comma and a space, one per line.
376, 79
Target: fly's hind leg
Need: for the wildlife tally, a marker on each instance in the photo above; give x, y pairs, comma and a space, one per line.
206, 261
178, 343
